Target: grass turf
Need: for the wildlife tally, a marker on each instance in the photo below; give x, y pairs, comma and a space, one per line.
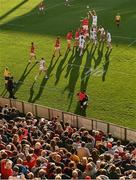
112, 95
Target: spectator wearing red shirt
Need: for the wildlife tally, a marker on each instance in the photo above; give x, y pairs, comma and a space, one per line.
6, 168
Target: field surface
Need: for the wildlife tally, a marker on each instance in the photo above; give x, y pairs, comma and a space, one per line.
109, 78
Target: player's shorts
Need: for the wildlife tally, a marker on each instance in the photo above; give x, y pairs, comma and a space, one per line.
41, 8
77, 38
42, 68
94, 24
57, 48
7, 77
69, 41
109, 40
81, 46
85, 27
117, 21
32, 54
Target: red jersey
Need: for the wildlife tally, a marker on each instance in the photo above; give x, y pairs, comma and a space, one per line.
81, 96
57, 43
83, 31
69, 36
85, 22
77, 34
32, 49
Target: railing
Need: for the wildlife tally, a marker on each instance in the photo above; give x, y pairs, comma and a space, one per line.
73, 119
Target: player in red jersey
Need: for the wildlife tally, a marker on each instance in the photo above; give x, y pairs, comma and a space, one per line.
85, 23
57, 47
42, 7
77, 33
32, 52
69, 37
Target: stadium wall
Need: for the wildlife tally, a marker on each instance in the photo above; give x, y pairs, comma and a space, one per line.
77, 121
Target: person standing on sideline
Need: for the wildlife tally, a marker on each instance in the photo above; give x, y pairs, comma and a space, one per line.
118, 20
11, 87
83, 99
7, 75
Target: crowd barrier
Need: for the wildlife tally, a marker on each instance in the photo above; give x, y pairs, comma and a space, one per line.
77, 121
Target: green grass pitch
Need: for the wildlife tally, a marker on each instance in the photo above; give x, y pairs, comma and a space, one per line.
112, 84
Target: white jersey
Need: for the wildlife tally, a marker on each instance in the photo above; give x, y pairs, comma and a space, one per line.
81, 36
42, 64
94, 22
81, 43
108, 37
93, 35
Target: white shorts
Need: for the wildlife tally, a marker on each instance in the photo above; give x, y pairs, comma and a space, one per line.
81, 46
41, 8
42, 68
109, 40
57, 48
32, 54
85, 27
76, 38
94, 24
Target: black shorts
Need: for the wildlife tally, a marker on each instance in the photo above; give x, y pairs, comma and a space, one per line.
6, 78
117, 21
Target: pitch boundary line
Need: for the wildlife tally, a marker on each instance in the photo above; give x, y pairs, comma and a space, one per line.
124, 37
133, 42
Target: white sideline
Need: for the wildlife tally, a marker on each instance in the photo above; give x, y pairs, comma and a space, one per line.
133, 42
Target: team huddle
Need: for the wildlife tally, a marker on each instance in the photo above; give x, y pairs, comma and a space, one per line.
88, 32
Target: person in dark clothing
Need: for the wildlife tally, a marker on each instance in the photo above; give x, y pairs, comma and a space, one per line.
10, 88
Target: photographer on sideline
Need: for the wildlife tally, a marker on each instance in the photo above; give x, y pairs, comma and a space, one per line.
83, 99
11, 87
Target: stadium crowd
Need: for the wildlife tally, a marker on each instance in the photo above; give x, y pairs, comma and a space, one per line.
37, 148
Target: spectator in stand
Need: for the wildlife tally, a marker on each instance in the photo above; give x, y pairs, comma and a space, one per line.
47, 149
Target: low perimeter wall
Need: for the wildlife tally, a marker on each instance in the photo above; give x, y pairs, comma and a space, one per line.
73, 119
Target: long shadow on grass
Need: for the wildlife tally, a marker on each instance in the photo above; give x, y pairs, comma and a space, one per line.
43, 83
23, 76
61, 67
87, 68
13, 9
106, 64
73, 77
100, 55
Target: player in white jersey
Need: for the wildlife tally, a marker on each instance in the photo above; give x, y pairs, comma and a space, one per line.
108, 38
42, 68
81, 44
67, 3
94, 18
102, 33
93, 36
